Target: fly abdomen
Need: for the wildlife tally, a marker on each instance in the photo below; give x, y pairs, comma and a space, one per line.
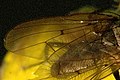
63, 69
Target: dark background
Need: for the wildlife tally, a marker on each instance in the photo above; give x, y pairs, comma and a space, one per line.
14, 12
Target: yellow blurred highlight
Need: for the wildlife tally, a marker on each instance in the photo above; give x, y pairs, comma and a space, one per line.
16, 67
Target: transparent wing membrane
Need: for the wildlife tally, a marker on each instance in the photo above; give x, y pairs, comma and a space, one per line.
78, 46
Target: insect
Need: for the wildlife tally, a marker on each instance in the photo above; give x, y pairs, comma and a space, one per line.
78, 46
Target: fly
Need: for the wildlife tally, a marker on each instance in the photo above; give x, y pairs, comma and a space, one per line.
81, 46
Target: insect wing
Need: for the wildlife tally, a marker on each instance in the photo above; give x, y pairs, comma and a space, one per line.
98, 67
30, 37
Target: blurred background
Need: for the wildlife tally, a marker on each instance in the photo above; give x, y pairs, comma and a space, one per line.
14, 12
